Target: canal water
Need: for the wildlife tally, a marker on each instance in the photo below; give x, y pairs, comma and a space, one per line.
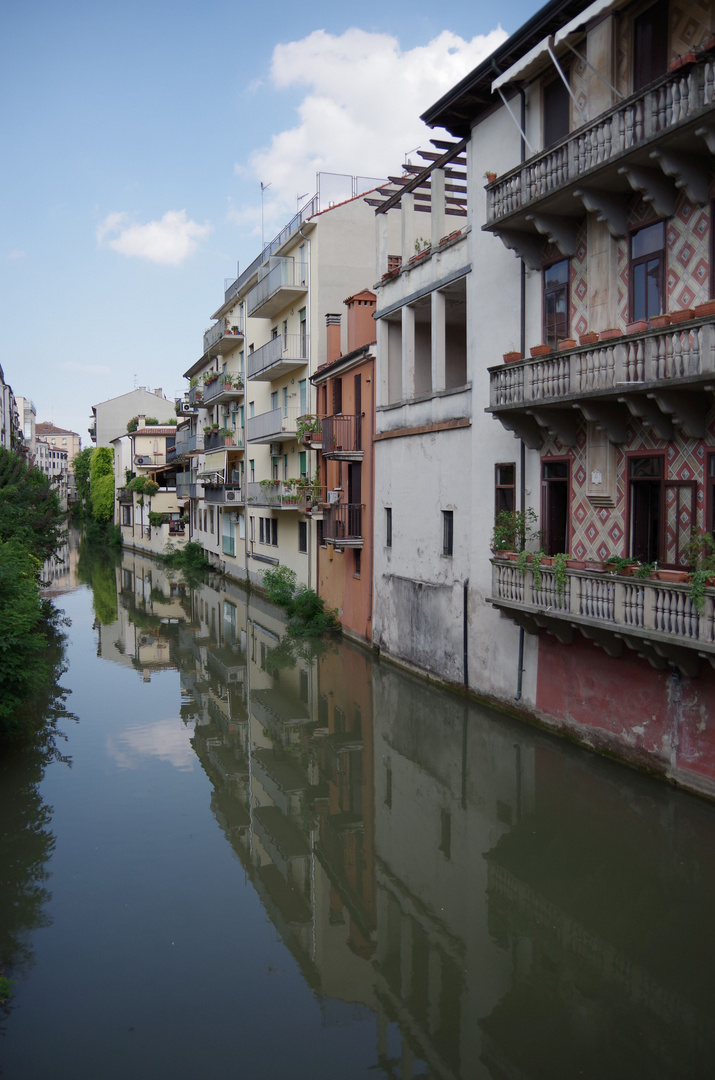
256, 859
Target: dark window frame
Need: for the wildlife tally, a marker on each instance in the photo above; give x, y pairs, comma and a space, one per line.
388, 526
643, 260
303, 537
654, 48
549, 543
502, 490
553, 291
554, 98
448, 533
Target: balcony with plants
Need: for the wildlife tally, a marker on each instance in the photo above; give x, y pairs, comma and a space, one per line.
656, 372
225, 335
219, 389
188, 442
310, 431
665, 615
294, 494
216, 438
280, 356
223, 489
645, 142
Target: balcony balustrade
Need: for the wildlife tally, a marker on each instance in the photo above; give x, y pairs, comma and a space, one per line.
280, 495
124, 494
188, 443
225, 388
617, 141
228, 494
280, 356
224, 437
282, 281
657, 375
342, 524
342, 438
196, 396
224, 336
278, 425
657, 620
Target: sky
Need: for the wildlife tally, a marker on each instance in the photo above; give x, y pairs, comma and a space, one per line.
135, 137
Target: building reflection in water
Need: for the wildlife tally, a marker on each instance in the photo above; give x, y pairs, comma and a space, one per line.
504, 904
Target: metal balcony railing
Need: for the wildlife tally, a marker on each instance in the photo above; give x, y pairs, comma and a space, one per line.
278, 423
226, 386
342, 524
282, 274
342, 436
666, 105
187, 443
196, 395
281, 353
229, 327
218, 439
279, 494
657, 619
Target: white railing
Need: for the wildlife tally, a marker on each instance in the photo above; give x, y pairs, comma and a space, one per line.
672, 101
270, 423
651, 357
228, 327
644, 607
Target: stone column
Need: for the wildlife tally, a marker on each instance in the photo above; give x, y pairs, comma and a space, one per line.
408, 352
439, 341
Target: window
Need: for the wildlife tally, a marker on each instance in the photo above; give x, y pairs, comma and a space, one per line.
303, 333
447, 532
303, 396
274, 528
388, 526
556, 110
645, 489
650, 44
285, 400
504, 487
285, 333
556, 302
302, 536
252, 528
303, 462
445, 845
274, 399
319, 533
337, 396
388, 788
274, 468
261, 530
274, 333
251, 408
555, 506
126, 514
647, 271
211, 519
358, 561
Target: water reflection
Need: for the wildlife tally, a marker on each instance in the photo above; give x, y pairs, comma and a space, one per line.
502, 903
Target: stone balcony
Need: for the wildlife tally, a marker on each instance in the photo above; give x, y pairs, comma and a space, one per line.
223, 389
658, 376
645, 143
657, 620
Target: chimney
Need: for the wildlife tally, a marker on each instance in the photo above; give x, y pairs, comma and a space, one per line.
361, 324
141, 421
333, 337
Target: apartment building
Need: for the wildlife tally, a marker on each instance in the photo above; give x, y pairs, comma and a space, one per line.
61, 439
587, 142
148, 510
277, 306
109, 418
10, 431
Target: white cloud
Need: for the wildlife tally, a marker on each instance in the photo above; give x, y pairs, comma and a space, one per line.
360, 114
86, 369
167, 740
15, 256
169, 241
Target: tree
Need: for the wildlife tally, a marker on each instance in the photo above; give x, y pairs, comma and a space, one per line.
81, 466
101, 483
30, 510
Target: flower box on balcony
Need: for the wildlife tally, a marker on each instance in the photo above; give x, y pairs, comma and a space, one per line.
681, 315
610, 334
682, 61
567, 343
512, 357
657, 322
637, 327
540, 350
702, 311
594, 566
674, 576
589, 338
575, 564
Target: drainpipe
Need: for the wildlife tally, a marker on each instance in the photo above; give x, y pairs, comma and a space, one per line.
522, 453
465, 631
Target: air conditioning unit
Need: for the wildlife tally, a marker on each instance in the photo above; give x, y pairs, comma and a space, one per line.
333, 497
274, 449
187, 407
142, 459
233, 496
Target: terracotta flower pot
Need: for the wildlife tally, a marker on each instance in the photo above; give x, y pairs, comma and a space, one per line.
575, 564
637, 327
594, 566
681, 315
608, 335
682, 61
589, 338
540, 350
657, 322
547, 560
490, 177
703, 310
673, 575
512, 357
567, 343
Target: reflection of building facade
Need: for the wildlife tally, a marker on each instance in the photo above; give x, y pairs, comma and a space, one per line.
148, 517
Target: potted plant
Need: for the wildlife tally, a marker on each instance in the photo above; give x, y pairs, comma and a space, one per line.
540, 350
700, 553
681, 315
512, 357
637, 327
589, 338
514, 530
490, 177
567, 343
610, 333
618, 564
559, 571
657, 322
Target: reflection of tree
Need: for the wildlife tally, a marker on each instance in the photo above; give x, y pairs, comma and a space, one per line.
96, 567
26, 842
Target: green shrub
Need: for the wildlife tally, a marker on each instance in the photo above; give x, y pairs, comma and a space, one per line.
280, 585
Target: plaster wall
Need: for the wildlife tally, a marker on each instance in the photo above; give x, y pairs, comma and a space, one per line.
113, 415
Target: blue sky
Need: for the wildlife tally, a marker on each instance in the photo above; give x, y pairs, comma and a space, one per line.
119, 115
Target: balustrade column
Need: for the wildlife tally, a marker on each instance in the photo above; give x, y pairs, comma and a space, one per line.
621, 362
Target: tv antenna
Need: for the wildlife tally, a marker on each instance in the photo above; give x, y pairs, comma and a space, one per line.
264, 187
298, 199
